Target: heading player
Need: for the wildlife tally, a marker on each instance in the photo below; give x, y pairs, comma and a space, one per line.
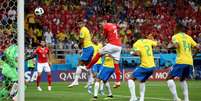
113, 48
87, 51
142, 48
43, 62
184, 62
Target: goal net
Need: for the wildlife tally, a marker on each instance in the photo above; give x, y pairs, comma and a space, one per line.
8, 23
12, 28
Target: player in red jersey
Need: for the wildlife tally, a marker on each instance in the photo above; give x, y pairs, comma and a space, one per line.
113, 48
43, 54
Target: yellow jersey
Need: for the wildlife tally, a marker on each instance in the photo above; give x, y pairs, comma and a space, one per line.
108, 62
96, 50
185, 43
85, 34
144, 46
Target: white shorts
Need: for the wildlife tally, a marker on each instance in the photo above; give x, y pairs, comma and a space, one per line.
45, 66
113, 50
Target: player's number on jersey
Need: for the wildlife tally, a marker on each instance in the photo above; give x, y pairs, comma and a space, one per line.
187, 46
148, 50
115, 31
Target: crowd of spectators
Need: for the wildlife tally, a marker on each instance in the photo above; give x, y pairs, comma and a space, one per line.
58, 26
7, 23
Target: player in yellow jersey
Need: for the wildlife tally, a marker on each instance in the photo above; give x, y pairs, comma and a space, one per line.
104, 74
87, 51
184, 62
142, 48
96, 67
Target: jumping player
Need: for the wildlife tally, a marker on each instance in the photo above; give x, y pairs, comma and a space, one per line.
142, 48
43, 62
113, 48
87, 51
184, 62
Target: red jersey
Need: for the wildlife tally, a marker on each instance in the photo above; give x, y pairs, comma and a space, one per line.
42, 54
111, 33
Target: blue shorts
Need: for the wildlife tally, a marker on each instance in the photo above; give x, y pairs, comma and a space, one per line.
142, 74
181, 70
87, 54
105, 73
96, 68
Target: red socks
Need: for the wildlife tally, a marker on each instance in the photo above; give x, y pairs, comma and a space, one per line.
94, 60
38, 80
117, 72
49, 79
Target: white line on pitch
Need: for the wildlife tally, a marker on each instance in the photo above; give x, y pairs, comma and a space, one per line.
154, 98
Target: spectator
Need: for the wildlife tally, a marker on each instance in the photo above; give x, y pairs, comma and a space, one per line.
12, 14
31, 20
48, 37
199, 38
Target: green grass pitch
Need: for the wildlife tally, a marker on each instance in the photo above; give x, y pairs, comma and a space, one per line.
155, 91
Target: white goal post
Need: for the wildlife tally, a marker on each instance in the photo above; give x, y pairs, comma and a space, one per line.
20, 40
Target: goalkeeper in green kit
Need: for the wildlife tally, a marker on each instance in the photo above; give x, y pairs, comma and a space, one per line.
8, 65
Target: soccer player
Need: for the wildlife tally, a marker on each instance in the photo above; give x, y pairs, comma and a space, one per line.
9, 71
184, 62
143, 48
113, 48
87, 51
43, 62
96, 67
105, 73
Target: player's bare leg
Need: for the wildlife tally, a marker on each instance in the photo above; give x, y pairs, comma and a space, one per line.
172, 88
131, 85
38, 81
49, 79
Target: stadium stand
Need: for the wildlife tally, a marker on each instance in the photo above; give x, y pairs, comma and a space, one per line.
139, 17
7, 22
58, 26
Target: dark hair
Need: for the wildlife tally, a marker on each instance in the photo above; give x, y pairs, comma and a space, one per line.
181, 27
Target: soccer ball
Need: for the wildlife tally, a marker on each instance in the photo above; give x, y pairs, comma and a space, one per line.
39, 11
